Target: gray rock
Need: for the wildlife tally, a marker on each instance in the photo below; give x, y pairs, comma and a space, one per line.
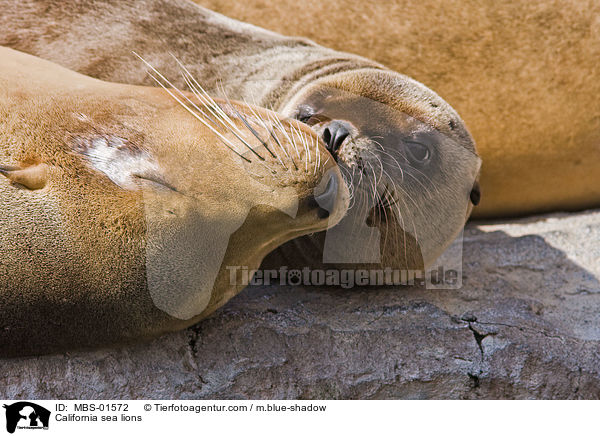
525, 324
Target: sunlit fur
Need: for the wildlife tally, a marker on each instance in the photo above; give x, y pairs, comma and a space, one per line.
240, 61
95, 177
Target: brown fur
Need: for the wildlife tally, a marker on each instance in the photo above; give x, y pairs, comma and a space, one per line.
522, 75
75, 247
252, 64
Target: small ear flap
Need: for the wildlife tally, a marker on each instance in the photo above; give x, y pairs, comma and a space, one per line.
33, 177
475, 195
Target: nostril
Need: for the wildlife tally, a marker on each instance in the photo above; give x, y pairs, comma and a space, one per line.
341, 134
327, 198
334, 135
327, 137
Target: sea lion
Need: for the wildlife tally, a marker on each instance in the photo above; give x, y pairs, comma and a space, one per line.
124, 207
410, 160
522, 74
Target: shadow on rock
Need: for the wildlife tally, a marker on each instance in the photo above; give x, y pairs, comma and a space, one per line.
525, 324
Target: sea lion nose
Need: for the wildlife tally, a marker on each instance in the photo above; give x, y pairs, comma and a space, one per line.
326, 198
334, 135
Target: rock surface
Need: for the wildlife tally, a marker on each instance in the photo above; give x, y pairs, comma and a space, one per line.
525, 324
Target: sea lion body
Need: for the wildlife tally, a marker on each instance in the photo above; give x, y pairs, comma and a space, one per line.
413, 172
522, 74
122, 211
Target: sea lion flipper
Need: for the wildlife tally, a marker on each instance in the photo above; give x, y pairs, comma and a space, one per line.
32, 177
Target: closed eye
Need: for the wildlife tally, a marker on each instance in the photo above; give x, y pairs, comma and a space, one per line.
155, 179
305, 112
309, 116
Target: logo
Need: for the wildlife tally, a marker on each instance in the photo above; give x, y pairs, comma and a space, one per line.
26, 415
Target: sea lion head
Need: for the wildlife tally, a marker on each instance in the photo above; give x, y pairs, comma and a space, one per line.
255, 182
412, 163
128, 199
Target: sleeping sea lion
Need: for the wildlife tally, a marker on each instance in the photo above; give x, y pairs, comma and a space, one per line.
410, 162
124, 206
522, 74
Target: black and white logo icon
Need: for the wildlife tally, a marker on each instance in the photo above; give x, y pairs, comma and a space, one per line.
26, 415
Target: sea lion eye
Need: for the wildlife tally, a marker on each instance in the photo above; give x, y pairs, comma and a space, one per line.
305, 113
417, 152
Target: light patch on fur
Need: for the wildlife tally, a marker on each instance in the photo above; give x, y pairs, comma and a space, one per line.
121, 161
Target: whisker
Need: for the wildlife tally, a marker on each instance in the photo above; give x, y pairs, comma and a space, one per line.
395, 160
318, 155
253, 131
414, 177
296, 132
277, 124
271, 133
217, 111
280, 126
212, 104
221, 137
